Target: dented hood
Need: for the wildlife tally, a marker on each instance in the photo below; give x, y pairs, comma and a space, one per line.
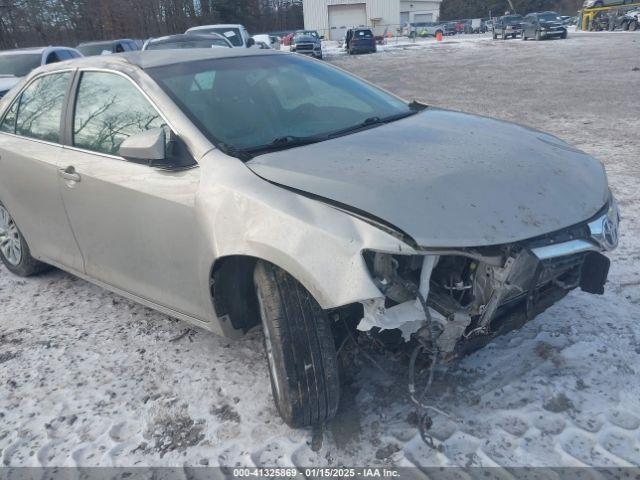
449, 179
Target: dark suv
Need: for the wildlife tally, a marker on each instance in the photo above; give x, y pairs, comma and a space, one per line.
307, 42
360, 40
543, 25
507, 26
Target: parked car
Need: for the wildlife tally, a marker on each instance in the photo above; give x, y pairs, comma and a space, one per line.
605, 3
269, 40
488, 25
424, 29
235, 33
543, 25
187, 40
632, 20
450, 28
278, 225
360, 40
89, 49
15, 64
307, 42
507, 26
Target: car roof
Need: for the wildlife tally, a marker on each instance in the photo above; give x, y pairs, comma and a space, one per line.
158, 58
188, 36
217, 25
31, 50
102, 42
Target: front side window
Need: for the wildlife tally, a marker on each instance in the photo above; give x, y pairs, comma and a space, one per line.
109, 109
38, 111
247, 104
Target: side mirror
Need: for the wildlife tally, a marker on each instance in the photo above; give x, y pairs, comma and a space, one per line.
250, 43
146, 147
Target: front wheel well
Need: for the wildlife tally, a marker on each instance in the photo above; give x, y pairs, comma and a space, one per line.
233, 293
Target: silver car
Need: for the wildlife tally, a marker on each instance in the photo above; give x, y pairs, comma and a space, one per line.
233, 188
604, 3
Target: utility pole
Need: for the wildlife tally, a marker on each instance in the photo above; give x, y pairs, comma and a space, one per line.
513, 9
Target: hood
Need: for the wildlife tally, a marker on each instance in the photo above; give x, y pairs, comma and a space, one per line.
8, 82
449, 179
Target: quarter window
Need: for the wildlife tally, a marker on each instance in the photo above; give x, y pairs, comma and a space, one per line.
37, 113
109, 109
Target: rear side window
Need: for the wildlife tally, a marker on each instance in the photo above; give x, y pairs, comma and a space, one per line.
38, 111
109, 109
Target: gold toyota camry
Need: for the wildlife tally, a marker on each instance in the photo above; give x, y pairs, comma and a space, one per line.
233, 188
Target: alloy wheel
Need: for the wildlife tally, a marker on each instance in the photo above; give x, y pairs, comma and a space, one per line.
10, 241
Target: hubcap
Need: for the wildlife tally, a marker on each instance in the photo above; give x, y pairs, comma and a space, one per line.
10, 243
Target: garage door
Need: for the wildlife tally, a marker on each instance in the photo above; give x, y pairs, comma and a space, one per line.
342, 17
423, 17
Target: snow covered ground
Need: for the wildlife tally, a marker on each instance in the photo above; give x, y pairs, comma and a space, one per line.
88, 378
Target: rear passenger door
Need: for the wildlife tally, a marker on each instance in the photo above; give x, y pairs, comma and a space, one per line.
30, 165
136, 225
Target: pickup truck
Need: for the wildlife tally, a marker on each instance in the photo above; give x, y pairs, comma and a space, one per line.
507, 26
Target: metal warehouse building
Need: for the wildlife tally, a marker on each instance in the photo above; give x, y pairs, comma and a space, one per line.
332, 17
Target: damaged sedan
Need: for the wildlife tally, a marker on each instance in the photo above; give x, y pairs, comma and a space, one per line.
239, 189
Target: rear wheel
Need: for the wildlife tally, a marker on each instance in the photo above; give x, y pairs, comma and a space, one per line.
633, 26
14, 251
300, 349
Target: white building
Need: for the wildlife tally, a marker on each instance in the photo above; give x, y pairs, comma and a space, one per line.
331, 18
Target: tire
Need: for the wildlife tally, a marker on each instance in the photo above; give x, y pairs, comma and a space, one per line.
564, 35
495, 36
633, 26
524, 37
300, 349
14, 250
538, 35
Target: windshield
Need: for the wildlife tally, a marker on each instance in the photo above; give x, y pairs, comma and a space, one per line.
549, 17
94, 49
512, 19
231, 34
243, 104
20, 64
193, 43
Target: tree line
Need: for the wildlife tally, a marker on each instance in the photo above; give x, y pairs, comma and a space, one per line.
25, 23
457, 9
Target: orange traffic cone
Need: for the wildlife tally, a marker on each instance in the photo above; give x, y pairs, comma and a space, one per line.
439, 36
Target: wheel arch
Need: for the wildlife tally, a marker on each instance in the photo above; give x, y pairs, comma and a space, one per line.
232, 290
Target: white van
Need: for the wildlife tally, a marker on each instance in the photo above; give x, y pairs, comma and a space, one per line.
236, 34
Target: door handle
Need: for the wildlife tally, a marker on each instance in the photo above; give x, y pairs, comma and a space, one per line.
69, 174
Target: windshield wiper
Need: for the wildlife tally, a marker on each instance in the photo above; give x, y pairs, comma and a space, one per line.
291, 141
371, 122
283, 143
